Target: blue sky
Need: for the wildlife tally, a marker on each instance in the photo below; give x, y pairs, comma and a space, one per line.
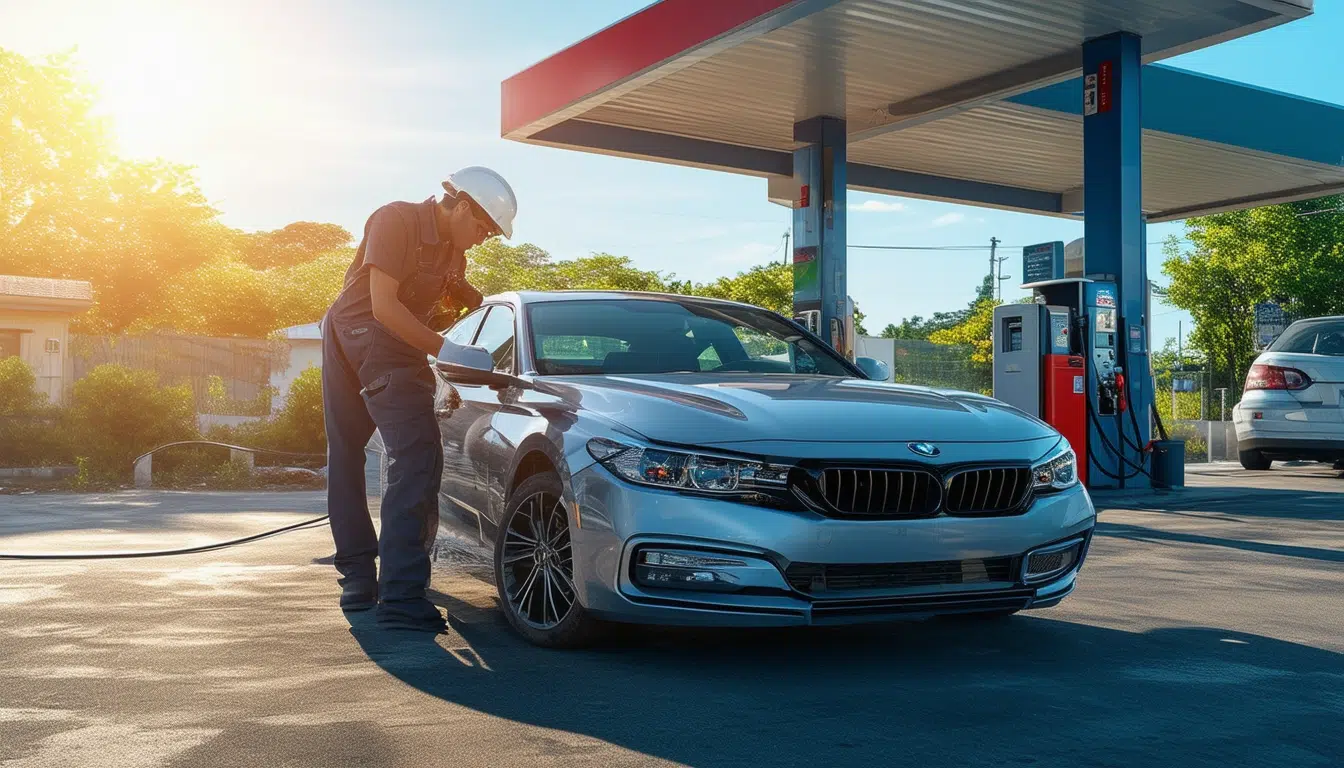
325, 110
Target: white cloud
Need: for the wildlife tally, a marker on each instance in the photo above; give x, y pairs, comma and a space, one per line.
948, 219
878, 206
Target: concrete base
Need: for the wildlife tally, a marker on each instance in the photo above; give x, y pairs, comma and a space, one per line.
37, 473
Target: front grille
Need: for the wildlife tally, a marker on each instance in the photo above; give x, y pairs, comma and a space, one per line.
995, 491
819, 577
842, 611
880, 492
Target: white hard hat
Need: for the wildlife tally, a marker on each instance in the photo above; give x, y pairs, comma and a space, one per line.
490, 191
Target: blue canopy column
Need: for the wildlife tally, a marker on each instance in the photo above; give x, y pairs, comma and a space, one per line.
1114, 232
819, 263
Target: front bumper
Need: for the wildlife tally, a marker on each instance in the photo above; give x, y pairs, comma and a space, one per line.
615, 520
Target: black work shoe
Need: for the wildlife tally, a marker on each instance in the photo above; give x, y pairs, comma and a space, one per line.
416, 615
358, 597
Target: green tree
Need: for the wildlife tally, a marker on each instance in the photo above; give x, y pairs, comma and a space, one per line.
601, 271
976, 333
768, 285
496, 267
295, 244
918, 327
52, 147
1293, 253
140, 231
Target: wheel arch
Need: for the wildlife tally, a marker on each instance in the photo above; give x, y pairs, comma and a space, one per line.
535, 455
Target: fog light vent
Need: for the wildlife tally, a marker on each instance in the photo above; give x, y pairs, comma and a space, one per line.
1049, 562
686, 570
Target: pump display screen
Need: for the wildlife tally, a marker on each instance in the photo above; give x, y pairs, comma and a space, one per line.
1105, 321
1012, 334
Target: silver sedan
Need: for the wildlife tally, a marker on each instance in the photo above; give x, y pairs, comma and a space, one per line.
671, 460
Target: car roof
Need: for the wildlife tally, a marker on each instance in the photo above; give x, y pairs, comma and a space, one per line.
1322, 319
546, 297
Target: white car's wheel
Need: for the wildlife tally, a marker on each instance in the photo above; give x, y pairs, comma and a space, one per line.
1253, 460
534, 567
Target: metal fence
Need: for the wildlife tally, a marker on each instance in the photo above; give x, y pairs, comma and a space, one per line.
226, 375
914, 361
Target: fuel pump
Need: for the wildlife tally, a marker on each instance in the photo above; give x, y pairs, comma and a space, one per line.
1037, 370
1088, 404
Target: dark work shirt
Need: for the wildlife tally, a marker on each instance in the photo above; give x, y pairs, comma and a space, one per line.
393, 236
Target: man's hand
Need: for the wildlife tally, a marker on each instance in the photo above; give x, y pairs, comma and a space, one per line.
388, 310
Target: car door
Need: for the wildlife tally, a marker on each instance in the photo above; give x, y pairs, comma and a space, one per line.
453, 489
483, 456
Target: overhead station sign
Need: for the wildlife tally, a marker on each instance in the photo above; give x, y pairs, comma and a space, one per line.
1041, 262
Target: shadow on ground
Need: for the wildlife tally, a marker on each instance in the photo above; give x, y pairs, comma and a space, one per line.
1144, 533
1015, 691
1319, 502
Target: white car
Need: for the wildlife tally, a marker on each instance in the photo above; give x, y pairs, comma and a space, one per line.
1293, 406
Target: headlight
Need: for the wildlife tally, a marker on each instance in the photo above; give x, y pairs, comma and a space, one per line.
1058, 472
687, 471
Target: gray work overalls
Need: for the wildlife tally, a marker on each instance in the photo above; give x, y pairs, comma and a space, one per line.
371, 378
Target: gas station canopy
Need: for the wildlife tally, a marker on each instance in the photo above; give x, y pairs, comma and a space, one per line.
968, 101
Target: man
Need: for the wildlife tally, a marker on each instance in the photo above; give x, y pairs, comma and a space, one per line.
376, 347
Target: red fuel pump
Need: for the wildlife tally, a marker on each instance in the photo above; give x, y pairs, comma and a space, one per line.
1064, 398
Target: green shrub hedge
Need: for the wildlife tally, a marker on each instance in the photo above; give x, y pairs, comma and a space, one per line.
117, 413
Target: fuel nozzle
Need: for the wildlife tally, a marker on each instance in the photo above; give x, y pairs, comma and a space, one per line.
1120, 398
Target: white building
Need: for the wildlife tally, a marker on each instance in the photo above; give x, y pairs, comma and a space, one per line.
305, 350
35, 314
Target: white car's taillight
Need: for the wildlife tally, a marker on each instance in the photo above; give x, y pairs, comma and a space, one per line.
1262, 376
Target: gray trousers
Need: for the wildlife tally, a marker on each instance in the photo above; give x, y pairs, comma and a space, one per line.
371, 379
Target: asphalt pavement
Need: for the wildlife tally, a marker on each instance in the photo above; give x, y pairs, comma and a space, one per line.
1206, 631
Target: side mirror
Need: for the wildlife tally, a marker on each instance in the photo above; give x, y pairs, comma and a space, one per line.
461, 364
873, 368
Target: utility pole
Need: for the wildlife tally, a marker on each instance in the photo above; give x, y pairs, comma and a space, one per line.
788, 257
996, 267
1180, 366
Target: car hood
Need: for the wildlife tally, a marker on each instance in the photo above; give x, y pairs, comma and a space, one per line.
709, 409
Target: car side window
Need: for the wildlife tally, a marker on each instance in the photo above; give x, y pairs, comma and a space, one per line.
496, 337
463, 331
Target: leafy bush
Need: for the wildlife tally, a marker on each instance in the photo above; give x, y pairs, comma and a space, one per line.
218, 401
299, 427
118, 413
233, 475
1196, 446
36, 439
18, 388
31, 433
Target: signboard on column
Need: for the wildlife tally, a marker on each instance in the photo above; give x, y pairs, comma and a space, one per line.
806, 276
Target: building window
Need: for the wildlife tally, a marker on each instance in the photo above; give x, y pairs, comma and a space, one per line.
9, 343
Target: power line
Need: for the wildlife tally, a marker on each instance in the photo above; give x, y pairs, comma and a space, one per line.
968, 248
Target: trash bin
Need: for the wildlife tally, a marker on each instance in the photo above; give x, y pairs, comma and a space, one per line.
1168, 463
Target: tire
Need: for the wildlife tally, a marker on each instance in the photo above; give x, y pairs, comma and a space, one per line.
1253, 460
536, 590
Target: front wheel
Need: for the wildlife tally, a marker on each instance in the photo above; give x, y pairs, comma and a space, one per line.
1253, 460
534, 568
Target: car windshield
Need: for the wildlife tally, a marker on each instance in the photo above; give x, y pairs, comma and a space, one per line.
627, 336
1312, 338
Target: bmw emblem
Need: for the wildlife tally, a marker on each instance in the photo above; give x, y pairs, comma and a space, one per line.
924, 449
